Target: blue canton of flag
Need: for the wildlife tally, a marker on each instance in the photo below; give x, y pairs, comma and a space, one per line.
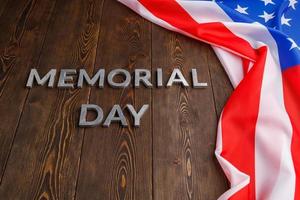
280, 16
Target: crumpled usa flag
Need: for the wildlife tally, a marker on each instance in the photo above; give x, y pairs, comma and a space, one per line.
258, 144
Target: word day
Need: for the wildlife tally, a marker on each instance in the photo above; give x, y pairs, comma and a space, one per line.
116, 115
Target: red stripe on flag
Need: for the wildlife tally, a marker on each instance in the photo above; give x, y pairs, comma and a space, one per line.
291, 87
238, 125
215, 33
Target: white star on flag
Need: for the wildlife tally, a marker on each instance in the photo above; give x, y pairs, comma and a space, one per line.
292, 3
294, 44
241, 9
285, 21
268, 2
266, 16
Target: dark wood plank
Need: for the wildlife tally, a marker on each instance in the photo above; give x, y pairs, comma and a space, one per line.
116, 162
21, 39
45, 157
221, 85
184, 123
3, 4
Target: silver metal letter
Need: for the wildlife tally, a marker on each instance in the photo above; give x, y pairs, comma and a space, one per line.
34, 75
177, 77
159, 77
137, 115
142, 75
84, 76
83, 114
196, 84
64, 77
115, 72
112, 116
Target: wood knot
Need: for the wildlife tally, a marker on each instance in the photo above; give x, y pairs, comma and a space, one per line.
123, 181
189, 167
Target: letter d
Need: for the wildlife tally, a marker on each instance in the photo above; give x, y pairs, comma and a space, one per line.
83, 114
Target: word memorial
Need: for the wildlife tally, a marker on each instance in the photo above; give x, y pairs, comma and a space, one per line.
116, 78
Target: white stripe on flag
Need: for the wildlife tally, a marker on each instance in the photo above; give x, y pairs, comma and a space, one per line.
275, 173
232, 64
205, 12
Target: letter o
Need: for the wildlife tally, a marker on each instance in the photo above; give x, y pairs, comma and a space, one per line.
113, 73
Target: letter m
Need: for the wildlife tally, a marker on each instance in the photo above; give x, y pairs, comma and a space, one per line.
34, 75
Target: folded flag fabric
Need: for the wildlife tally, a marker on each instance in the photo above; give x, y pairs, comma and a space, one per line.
258, 143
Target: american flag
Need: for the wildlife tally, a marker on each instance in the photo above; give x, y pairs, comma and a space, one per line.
258, 143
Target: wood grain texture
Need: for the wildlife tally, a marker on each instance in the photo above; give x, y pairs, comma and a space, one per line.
184, 122
21, 39
116, 162
220, 83
45, 155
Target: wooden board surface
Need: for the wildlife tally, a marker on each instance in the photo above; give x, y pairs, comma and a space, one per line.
43, 152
